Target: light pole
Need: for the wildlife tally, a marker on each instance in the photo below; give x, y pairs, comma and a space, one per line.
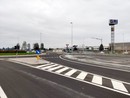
71, 35
40, 38
123, 43
98, 39
40, 41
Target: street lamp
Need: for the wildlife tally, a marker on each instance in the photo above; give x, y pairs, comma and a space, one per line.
123, 43
71, 35
98, 39
40, 38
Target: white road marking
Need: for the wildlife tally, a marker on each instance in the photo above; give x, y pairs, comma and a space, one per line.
49, 66
117, 68
118, 85
2, 93
61, 70
82, 75
101, 86
97, 79
70, 72
44, 65
51, 69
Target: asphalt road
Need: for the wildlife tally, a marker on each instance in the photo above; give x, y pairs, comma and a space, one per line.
20, 81
111, 73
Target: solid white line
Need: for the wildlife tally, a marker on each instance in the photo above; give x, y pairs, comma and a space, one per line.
93, 73
2, 93
118, 85
111, 89
70, 72
48, 66
51, 69
97, 79
61, 70
82, 75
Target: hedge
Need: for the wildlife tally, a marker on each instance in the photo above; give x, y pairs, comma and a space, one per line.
12, 51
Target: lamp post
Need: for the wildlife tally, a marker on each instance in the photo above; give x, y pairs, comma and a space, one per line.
123, 44
71, 35
98, 39
40, 38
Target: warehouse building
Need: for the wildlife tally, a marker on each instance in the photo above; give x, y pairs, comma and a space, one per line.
122, 47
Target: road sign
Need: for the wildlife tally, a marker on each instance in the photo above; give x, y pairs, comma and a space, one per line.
37, 51
113, 22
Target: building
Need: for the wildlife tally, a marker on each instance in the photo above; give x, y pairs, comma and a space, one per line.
24, 46
122, 47
96, 48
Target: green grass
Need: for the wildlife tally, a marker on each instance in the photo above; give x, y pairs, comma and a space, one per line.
2, 54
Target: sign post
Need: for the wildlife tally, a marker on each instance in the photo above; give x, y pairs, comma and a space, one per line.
67, 47
112, 23
38, 52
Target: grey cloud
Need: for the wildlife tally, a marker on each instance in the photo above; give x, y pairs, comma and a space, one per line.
26, 19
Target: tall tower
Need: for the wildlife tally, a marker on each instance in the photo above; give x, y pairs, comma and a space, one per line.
112, 23
24, 46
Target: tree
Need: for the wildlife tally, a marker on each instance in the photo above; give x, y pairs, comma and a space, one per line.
75, 48
17, 47
28, 47
101, 48
36, 46
42, 46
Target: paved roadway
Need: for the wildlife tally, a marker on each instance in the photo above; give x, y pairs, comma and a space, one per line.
19, 81
115, 74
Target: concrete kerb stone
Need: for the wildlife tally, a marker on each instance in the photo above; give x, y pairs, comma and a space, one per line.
95, 62
32, 60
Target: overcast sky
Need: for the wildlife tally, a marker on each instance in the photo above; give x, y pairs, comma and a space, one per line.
24, 20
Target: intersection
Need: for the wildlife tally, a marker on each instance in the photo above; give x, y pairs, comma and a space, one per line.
67, 77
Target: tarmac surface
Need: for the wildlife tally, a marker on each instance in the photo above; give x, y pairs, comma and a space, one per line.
94, 79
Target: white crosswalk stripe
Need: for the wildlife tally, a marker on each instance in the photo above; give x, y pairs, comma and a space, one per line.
51, 69
82, 75
61, 70
71, 72
118, 85
85, 76
44, 65
49, 66
97, 79
2, 93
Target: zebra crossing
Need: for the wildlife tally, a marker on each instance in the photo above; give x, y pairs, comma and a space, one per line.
50, 57
87, 77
